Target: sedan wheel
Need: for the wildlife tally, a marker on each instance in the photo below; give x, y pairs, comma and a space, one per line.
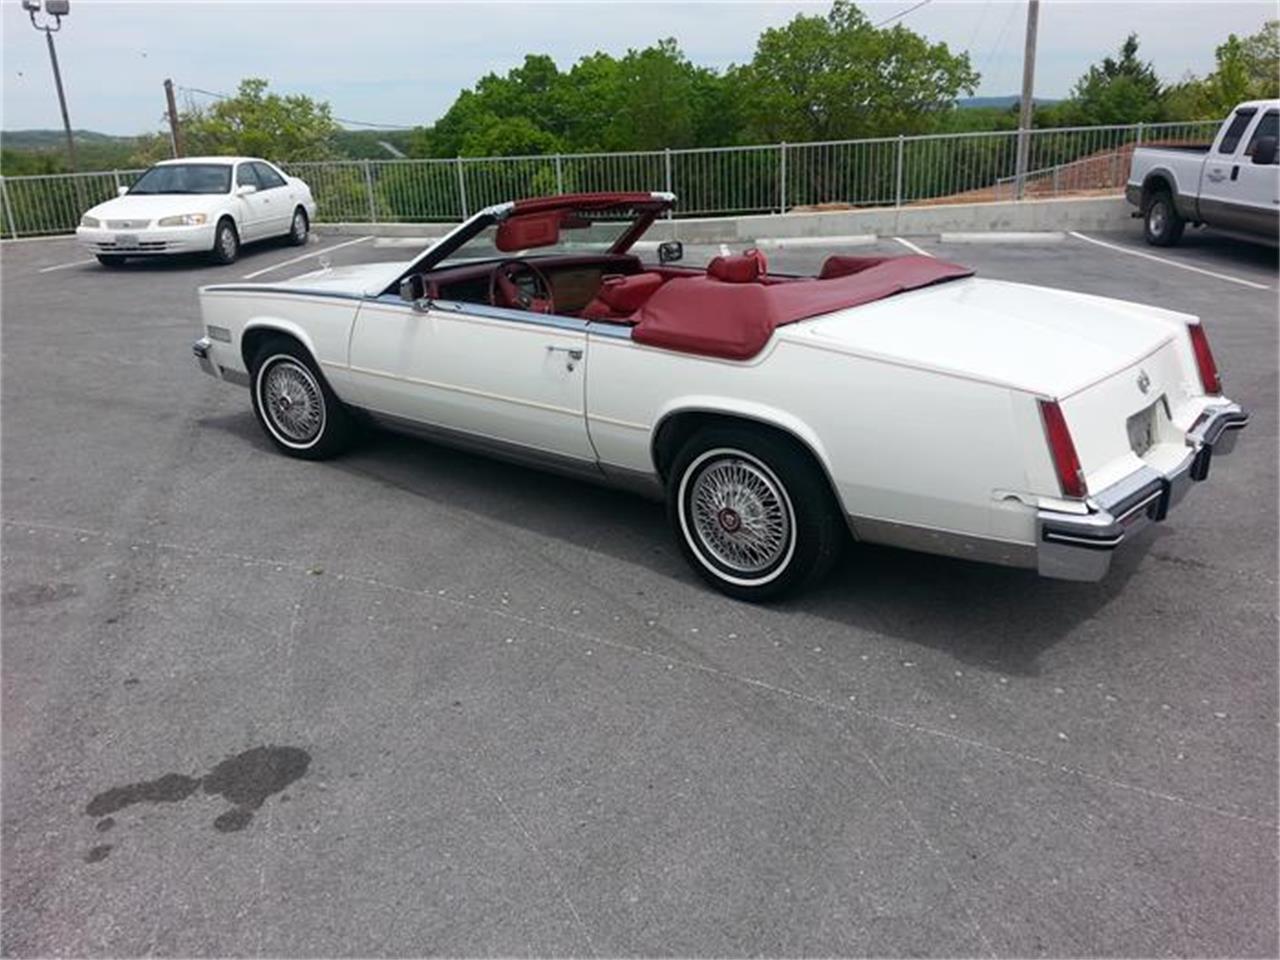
294, 404
300, 228
753, 513
226, 243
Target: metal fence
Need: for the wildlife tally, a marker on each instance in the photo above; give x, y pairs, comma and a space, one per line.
885, 171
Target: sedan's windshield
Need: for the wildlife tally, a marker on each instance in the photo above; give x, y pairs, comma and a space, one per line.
577, 234
185, 178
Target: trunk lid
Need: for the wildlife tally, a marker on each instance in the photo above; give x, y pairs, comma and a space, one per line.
1048, 342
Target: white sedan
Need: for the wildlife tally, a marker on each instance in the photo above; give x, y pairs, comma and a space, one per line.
901, 400
207, 205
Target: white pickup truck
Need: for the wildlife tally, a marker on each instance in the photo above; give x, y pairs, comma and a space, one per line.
1233, 184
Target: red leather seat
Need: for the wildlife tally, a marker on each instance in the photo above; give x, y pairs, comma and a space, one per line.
621, 296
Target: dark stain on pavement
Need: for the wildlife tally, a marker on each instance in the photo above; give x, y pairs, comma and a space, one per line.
98, 853
34, 594
245, 780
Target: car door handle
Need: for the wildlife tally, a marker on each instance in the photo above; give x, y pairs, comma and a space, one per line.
1235, 173
572, 355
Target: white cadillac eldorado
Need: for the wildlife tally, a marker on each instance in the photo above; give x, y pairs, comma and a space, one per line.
901, 399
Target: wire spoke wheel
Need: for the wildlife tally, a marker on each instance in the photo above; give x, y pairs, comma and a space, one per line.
292, 401
740, 515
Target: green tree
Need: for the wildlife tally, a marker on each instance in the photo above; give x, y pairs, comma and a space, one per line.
838, 76
1117, 90
1247, 69
260, 124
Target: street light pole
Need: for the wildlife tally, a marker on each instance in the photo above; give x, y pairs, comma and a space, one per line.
56, 9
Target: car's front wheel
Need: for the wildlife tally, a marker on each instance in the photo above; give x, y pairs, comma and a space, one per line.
300, 228
226, 242
1161, 225
294, 404
754, 515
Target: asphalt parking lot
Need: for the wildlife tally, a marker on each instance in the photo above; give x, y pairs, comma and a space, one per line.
504, 718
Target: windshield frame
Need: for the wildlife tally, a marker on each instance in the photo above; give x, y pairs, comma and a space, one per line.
646, 208
226, 167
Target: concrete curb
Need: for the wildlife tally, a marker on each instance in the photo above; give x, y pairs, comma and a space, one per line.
847, 226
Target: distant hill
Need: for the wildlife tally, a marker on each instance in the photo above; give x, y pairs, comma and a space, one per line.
1000, 103
55, 139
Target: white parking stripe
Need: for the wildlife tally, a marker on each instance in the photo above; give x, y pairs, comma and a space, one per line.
66, 266
305, 256
911, 246
1171, 263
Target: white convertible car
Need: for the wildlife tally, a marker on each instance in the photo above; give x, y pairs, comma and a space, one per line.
207, 205
902, 400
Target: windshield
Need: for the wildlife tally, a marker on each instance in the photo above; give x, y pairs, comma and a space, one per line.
577, 235
185, 178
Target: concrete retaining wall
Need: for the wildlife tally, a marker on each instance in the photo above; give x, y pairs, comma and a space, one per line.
1087, 213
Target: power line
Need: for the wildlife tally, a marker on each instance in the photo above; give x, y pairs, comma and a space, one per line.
899, 16
354, 123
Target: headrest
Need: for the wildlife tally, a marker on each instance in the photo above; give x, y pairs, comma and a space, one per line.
737, 268
838, 266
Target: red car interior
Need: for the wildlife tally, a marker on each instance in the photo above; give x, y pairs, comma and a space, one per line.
730, 310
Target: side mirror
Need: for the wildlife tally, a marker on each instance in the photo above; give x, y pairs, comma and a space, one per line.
670, 251
413, 290
245, 189
1264, 150
121, 191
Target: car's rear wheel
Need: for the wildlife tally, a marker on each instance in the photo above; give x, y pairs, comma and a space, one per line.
1161, 224
110, 259
294, 404
300, 228
754, 515
226, 242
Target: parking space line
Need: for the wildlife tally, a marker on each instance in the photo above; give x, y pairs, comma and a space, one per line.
306, 256
65, 266
1171, 263
912, 247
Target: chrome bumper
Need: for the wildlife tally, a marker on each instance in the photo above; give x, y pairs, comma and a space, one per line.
201, 350
1079, 546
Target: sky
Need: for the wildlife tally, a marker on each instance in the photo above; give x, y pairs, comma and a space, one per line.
403, 63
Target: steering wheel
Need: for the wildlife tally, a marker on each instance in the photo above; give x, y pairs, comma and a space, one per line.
505, 292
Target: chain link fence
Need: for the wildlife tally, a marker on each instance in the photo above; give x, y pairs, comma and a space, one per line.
885, 171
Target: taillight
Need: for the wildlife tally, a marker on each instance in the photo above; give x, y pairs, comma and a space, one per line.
1209, 378
1063, 450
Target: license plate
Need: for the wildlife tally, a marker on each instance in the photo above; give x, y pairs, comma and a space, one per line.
126, 240
1142, 429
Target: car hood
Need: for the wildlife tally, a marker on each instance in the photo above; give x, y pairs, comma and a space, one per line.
1037, 339
361, 279
152, 206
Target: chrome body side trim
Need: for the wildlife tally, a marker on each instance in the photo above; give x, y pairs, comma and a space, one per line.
492, 447
947, 543
1079, 547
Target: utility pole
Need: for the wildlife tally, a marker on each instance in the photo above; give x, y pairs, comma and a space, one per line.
57, 9
175, 129
1028, 95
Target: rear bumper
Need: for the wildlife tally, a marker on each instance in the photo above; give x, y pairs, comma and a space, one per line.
1133, 193
1079, 546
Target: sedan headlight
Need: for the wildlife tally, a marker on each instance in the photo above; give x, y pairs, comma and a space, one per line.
87, 221
183, 220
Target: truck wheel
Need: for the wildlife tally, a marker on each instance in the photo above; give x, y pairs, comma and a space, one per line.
754, 516
294, 404
1161, 223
